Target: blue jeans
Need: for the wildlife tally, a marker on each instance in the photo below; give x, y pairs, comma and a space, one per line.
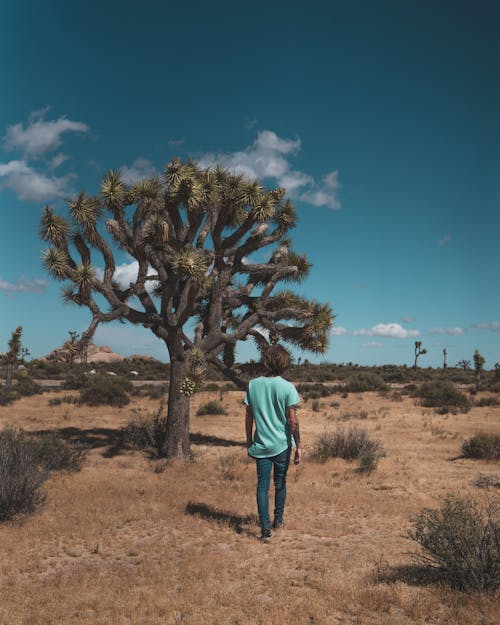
264, 467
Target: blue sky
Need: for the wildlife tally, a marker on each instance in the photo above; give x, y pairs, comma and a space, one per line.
381, 118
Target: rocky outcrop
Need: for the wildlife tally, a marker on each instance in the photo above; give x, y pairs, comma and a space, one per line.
94, 354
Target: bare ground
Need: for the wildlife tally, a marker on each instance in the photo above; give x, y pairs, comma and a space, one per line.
133, 541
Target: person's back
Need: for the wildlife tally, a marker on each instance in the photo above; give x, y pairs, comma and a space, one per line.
269, 398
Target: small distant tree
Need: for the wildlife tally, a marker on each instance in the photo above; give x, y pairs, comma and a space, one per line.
419, 351
478, 369
194, 234
15, 355
444, 358
464, 364
72, 346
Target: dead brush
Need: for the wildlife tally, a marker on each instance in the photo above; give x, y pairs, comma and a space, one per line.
230, 467
350, 444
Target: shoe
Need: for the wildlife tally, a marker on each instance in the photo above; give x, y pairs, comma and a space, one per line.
266, 535
278, 525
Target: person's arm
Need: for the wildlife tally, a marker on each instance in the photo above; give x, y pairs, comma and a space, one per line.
249, 425
293, 422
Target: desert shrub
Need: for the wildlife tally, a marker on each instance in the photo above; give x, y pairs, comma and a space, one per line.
211, 387
147, 434
21, 475
153, 391
488, 401
347, 444
229, 466
484, 445
368, 460
55, 454
211, 408
228, 386
316, 406
365, 381
488, 481
106, 390
461, 541
442, 393
26, 386
65, 399
7, 397
75, 380
314, 391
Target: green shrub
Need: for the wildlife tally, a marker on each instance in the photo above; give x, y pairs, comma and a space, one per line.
153, 391
364, 381
488, 401
65, 399
106, 390
7, 397
461, 541
348, 444
211, 387
368, 460
75, 380
26, 386
147, 434
484, 445
314, 391
21, 475
211, 408
442, 393
55, 454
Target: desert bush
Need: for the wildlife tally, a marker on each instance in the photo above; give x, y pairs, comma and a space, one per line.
348, 444
487, 481
55, 454
461, 541
75, 380
26, 386
211, 408
315, 406
153, 391
228, 386
21, 475
147, 434
484, 445
488, 401
65, 399
106, 390
314, 391
368, 460
365, 381
229, 466
211, 387
7, 397
442, 393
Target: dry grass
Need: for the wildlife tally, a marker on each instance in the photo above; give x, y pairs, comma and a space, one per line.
121, 543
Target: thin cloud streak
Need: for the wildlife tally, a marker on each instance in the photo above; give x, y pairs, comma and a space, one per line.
492, 326
24, 285
388, 330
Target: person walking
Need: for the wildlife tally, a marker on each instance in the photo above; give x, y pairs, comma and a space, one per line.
271, 405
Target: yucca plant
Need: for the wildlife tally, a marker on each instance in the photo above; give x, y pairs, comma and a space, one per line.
194, 233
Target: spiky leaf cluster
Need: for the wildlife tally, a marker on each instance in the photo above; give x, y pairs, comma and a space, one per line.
193, 234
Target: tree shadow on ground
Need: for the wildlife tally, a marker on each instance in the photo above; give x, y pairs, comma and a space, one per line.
92, 438
411, 574
197, 438
237, 522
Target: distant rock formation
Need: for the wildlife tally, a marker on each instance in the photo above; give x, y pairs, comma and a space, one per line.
94, 354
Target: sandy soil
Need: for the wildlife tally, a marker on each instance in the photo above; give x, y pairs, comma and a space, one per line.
129, 540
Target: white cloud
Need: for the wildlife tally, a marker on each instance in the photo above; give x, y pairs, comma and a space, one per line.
269, 157
24, 285
338, 331
455, 331
125, 274
30, 184
57, 161
173, 143
372, 345
444, 240
389, 330
39, 135
408, 319
141, 168
493, 326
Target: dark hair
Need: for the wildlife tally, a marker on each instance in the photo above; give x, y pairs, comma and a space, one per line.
276, 359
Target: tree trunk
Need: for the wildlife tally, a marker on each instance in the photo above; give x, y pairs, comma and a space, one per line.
10, 376
177, 443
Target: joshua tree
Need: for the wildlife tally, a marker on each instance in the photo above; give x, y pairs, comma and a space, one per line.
478, 368
464, 364
194, 234
418, 352
72, 346
16, 353
444, 358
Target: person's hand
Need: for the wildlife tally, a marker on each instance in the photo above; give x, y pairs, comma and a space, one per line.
298, 455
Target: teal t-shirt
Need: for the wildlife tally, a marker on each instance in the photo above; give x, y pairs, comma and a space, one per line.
269, 398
